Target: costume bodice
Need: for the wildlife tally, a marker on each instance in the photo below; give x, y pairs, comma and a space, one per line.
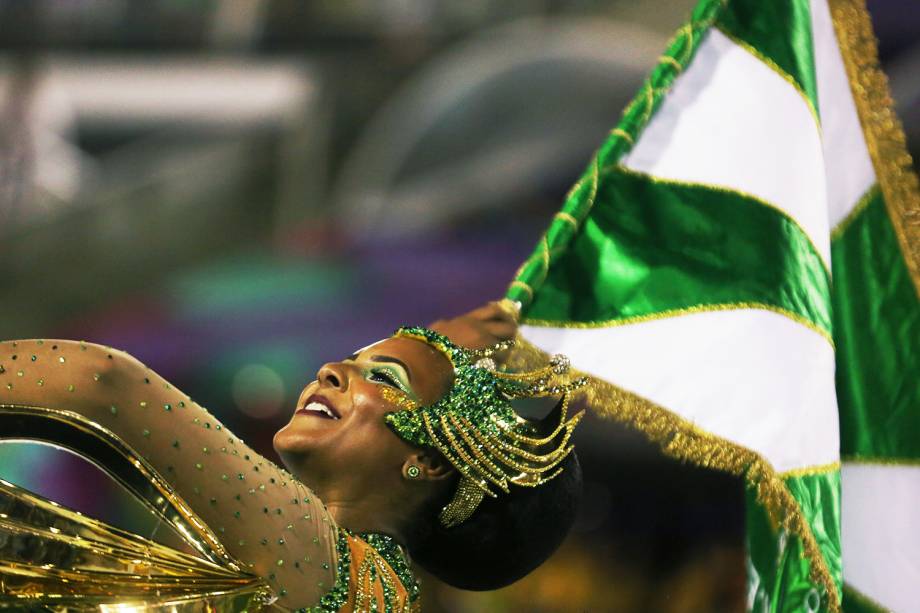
373, 575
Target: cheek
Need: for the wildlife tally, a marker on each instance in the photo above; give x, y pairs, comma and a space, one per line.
369, 441
370, 434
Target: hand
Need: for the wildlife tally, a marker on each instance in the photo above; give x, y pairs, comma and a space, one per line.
483, 327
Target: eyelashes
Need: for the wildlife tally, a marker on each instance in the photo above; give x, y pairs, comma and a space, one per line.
383, 376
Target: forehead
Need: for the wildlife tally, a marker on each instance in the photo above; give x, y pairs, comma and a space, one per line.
430, 370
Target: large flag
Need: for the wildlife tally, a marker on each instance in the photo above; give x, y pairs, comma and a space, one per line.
738, 270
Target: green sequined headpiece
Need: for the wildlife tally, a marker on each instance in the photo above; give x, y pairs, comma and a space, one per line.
475, 427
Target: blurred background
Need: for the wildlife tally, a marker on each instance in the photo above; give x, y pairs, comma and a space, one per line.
236, 191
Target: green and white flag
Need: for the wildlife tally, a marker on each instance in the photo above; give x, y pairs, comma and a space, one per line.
738, 270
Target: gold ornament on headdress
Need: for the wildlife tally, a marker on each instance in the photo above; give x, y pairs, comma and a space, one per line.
476, 429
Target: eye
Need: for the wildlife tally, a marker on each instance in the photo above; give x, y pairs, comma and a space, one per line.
383, 376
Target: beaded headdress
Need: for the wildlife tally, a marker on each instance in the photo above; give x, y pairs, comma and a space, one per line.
476, 429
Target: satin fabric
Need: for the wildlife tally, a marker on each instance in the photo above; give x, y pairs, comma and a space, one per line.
756, 23
581, 198
651, 247
778, 568
877, 329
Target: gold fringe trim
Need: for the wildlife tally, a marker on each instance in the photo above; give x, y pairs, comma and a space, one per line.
881, 128
682, 440
821, 469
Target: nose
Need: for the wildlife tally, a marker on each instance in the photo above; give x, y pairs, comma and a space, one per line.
333, 375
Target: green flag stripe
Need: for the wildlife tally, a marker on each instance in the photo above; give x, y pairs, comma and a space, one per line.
654, 246
864, 200
818, 495
792, 59
778, 578
877, 331
580, 199
778, 568
855, 601
779, 31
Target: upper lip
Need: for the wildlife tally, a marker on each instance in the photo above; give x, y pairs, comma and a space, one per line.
317, 398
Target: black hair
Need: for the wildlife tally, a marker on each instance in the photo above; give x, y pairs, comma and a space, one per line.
505, 538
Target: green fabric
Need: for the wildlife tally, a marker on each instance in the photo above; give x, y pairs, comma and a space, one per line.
819, 498
626, 246
877, 324
780, 30
651, 246
755, 23
854, 602
635, 117
777, 566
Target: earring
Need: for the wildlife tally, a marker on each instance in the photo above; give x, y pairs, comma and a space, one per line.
413, 471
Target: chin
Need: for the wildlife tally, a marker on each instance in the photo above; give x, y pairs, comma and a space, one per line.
301, 455
286, 448
286, 442
291, 443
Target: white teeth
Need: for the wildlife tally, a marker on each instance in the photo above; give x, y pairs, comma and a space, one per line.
321, 408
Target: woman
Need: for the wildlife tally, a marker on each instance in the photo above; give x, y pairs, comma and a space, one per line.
409, 447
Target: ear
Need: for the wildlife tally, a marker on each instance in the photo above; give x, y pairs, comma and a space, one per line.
432, 466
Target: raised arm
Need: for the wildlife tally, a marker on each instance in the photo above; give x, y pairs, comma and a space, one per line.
487, 325
265, 518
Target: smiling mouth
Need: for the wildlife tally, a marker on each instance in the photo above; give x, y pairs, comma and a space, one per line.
319, 407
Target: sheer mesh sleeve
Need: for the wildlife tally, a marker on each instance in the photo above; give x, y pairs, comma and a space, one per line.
265, 518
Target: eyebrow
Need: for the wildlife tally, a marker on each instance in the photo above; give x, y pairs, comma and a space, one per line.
386, 358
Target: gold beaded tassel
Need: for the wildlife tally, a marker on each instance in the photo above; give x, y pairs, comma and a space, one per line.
488, 352
501, 458
465, 501
539, 383
475, 426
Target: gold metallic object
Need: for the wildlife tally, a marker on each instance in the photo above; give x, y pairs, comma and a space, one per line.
53, 558
464, 503
881, 127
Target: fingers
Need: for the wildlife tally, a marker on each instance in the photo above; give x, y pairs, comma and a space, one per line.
500, 327
491, 323
511, 308
486, 312
497, 310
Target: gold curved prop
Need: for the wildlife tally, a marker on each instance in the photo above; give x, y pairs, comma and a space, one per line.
56, 559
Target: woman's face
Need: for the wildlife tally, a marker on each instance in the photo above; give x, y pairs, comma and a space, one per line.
338, 431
